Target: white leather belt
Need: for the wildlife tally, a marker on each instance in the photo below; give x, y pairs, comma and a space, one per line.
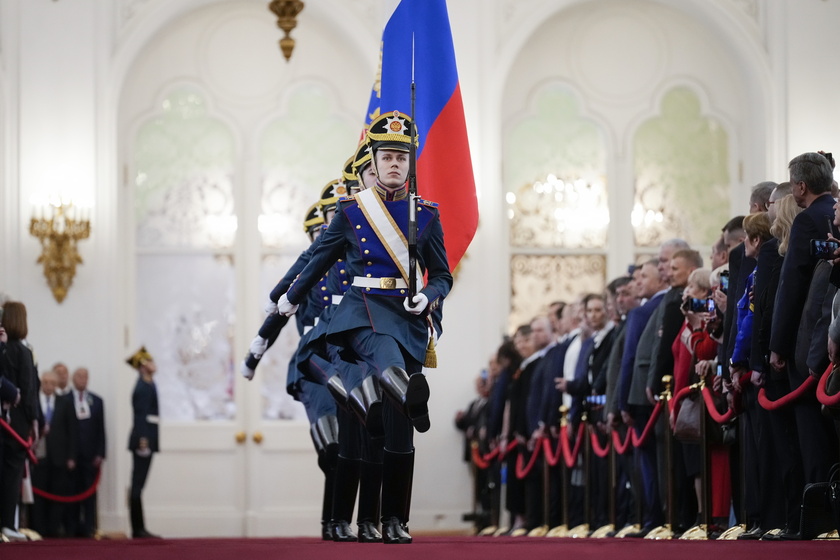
152, 419
337, 299
380, 283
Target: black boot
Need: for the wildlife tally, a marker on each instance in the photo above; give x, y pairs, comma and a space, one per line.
366, 401
344, 498
370, 486
410, 393
338, 392
138, 525
327, 460
397, 473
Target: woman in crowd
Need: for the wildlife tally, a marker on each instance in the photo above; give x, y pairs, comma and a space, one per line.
19, 369
694, 344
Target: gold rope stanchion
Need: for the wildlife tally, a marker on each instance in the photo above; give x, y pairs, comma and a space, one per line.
582, 531
608, 530
665, 532
563, 529
635, 483
543, 529
701, 532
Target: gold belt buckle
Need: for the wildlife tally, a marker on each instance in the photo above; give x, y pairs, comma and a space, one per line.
388, 283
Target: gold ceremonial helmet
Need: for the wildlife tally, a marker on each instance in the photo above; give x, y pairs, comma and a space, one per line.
138, 358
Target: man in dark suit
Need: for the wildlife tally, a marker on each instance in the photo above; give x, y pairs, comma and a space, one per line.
811, 177
57, 457
632, 400
90, 450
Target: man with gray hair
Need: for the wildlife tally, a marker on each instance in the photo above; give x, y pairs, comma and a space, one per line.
811, 177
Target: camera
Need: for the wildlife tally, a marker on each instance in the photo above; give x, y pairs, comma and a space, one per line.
823, 248
724, 281
695, 305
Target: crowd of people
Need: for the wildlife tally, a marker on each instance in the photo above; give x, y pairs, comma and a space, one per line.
52, 441
689, 397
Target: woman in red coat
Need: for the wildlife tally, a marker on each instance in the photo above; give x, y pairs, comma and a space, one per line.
694, 344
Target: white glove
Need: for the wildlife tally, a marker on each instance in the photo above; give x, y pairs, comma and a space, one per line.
284, 307
247, 372
258, 346
420, 303
270, 308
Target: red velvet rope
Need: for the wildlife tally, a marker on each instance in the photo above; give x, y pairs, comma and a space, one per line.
621, 447
522, 472
510, 447
674, 403
552, 457
767, 404
26, 445
711, 408
824, 398
480, 461
596, 445
570, 456
70, 499
639, 441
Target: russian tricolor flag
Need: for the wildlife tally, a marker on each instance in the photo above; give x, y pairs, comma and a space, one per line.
444, 167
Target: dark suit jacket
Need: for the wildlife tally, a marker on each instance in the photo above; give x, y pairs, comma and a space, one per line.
19, 369
554, 361
797, 271
768, 268
496, 404
812, 339
671, 320
91, 431
614, 368
62, 438
637, 320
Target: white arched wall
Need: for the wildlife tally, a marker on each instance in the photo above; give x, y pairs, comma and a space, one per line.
753, 42
563, 40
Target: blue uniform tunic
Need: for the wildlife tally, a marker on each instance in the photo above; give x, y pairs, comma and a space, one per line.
381, 311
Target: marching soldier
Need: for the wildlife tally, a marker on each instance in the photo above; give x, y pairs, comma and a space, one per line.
375, 323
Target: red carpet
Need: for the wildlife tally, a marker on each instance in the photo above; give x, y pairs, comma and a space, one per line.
424, 548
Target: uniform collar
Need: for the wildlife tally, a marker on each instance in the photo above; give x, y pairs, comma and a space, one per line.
389, 195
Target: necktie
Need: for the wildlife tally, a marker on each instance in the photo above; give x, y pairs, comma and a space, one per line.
49, 410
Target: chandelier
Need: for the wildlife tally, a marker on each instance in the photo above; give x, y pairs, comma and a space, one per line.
59, 226
286, 12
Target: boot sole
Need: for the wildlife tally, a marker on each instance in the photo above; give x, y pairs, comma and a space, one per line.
416, 399
373, 421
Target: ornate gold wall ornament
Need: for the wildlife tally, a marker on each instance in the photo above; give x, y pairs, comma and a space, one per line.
286, 12
59, 226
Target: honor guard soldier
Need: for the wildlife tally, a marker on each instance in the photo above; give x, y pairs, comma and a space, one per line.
310, 390
274, 323
143, 442
376, 323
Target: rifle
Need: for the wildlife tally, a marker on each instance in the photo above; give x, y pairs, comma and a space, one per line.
412, 197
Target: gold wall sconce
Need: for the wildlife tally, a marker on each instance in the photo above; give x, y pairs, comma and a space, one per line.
59, 226
286, 12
